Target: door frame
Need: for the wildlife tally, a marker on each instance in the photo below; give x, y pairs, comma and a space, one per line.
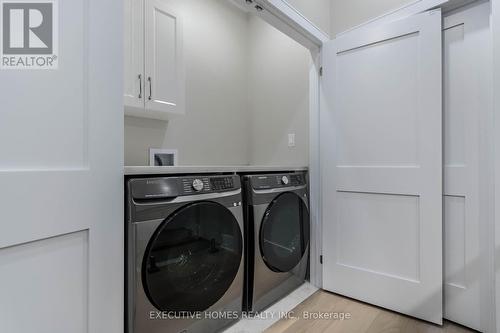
286, 18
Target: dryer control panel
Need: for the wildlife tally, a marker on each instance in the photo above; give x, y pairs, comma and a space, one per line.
262, 182
170, 187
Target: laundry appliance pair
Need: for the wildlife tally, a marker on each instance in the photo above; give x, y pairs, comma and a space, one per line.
201, 249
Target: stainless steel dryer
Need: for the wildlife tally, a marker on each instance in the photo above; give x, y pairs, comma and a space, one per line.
277, 237
184, 253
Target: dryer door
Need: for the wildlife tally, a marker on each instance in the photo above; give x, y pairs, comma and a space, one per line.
192, 258
284, 232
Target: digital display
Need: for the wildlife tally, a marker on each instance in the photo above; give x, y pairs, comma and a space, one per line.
222, 183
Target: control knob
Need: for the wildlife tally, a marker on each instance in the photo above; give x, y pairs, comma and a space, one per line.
284, 180
197, 185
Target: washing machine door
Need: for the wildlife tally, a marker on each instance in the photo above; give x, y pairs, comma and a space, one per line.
284, 232
192, 258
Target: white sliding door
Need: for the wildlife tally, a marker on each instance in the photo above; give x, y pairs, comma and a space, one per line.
381, 150
466, 37
61, 173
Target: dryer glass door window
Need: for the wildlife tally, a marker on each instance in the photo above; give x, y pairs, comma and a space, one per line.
284, 233
193, 258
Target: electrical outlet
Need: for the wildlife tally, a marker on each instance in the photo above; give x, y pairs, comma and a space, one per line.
291, 140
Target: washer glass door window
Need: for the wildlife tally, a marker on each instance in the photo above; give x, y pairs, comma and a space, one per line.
193, 258
284, 232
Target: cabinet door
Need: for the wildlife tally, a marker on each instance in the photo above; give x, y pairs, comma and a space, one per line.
134, 54
382, 166
164, 59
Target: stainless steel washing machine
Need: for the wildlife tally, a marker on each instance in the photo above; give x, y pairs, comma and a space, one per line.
184, 250
277, 237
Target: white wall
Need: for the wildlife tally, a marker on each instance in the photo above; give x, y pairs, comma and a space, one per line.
317, 11
214, 129
246, 89
346, 14
279, 97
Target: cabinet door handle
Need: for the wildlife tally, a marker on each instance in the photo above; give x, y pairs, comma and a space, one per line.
150, 88
140, 86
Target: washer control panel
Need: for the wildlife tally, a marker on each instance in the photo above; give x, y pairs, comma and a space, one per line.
262, 182
170, 187
210, 184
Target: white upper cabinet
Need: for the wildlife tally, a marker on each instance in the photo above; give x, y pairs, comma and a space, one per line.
164, 66
154, 60
134, 54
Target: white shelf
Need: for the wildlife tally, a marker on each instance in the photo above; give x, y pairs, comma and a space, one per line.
157, 170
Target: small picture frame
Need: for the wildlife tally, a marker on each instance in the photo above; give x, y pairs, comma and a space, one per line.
162, 157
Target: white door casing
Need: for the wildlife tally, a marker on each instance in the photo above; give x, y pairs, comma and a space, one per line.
134, 54
164, 59
61, 175
467, 49
381, 165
